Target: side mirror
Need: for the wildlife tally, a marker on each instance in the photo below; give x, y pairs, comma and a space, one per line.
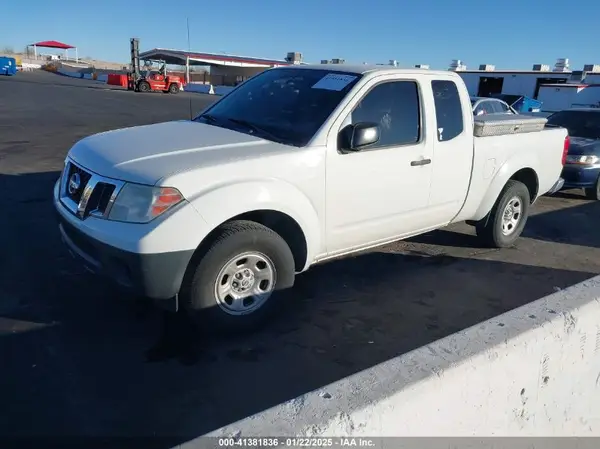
355, 137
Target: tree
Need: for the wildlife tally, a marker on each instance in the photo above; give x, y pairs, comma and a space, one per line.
8, 49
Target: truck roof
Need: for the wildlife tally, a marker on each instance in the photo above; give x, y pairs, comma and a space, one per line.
486, 98
368, 68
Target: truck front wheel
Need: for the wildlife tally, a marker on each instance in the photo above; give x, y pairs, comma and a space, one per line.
239, 281
505, 222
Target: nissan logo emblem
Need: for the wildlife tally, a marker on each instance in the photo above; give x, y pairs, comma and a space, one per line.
74, 183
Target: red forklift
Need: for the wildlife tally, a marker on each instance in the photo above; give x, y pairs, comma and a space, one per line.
150, 80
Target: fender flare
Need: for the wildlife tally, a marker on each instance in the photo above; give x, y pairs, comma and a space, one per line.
503, 175
223, 202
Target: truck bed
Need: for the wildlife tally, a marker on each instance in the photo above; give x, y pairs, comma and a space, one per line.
505, 152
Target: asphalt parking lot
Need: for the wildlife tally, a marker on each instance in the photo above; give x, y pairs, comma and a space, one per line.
81, 359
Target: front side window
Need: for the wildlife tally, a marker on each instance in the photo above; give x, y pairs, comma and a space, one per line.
395, 107
286, 105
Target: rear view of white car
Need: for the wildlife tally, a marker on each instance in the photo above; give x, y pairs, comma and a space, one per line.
490, 106
296, 166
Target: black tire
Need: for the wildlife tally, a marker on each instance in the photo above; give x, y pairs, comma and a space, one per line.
593, 193
490, 228
144, 86
174, 88
236, 239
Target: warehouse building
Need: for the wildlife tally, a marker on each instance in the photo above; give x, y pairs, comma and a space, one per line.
488, 81
557, 88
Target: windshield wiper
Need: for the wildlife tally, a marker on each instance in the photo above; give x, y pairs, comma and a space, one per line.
256, 129
210, 118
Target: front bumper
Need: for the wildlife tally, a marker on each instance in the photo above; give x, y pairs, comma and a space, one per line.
578, 176
156, 276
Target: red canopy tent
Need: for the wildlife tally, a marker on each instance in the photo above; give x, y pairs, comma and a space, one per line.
54, 44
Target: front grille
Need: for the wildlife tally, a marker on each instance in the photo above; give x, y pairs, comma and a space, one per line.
100, 198
87, 193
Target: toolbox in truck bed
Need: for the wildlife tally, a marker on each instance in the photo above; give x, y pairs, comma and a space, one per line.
498, 125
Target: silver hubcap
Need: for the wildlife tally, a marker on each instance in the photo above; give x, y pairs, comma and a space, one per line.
245, 283
511, 215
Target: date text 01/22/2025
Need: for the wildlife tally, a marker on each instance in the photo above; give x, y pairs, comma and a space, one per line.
264, 442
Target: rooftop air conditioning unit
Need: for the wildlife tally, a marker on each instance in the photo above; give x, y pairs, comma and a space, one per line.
487, 67
294, 57
324, 61
591, 68
562, 65
421, 66
457, 65
393, 62
338, 61
541, 68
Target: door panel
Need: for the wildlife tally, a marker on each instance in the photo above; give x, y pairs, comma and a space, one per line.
453, 150
382, 191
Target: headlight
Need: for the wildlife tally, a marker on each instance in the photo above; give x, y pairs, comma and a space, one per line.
582, 160
138, 203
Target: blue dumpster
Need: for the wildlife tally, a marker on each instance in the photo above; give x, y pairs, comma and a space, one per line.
520, 103
8, 66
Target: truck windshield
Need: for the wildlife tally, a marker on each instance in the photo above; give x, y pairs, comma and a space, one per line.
584, 124
286, 105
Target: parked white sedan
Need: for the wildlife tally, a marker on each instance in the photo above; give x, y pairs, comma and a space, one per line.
487, 105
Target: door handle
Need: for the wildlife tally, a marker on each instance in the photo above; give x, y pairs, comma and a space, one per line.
420, 162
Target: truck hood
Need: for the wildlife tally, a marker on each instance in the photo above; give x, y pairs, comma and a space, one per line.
145, 154
581, 146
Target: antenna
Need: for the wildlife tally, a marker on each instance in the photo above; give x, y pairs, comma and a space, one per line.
188, 63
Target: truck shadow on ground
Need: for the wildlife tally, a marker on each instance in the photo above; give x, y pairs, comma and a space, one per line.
573, 226
78, 354
571, 194
576, 225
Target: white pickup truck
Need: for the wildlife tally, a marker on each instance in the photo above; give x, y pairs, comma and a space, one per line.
299, 164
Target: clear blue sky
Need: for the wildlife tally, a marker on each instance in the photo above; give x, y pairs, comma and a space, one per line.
422, 31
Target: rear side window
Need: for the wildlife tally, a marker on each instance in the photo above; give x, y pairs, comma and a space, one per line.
485, 107
394, 106
448, 110
501, 107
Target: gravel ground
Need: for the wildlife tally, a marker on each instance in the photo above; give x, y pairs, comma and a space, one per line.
81, 359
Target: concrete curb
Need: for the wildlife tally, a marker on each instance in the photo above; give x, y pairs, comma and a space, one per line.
199, 88
532, 371
208, 89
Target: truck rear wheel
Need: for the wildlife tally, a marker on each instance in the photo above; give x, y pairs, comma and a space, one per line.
239, 281
505, 222
174, 88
